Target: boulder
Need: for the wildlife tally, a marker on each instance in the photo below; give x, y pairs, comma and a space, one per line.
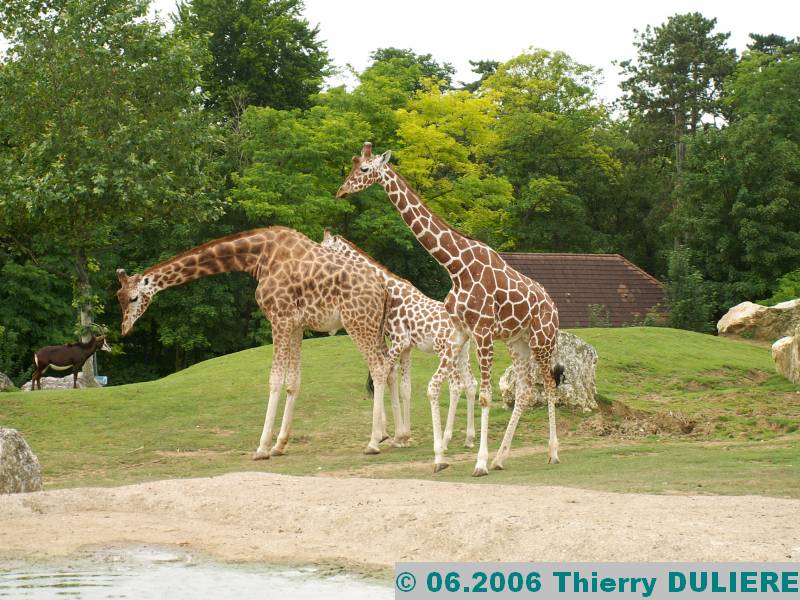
6, 385
19, 467
759, 322
57, 383
578, 389
786, 356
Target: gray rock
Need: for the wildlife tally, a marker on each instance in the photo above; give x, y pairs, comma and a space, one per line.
57, 383
6, 385
759, 322
786, 356
578, 389
19, 467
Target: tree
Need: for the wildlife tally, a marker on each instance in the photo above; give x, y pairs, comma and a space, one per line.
102, 129
445, 137
676, 80
262, 52
554, 150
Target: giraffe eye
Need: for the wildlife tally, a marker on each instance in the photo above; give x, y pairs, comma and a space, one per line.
135, 298
364, 169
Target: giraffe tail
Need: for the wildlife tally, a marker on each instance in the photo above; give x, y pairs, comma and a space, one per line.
558, 373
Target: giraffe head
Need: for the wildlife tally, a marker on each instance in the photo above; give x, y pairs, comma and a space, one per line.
366, 170
134, 297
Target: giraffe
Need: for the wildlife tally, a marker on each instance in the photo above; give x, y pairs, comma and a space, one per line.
488, 298
415, 321
301, 285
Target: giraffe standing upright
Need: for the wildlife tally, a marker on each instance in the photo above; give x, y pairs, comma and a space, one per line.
488, 298
301, 285
415, 321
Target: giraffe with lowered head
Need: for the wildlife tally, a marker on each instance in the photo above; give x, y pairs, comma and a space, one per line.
415, 321
301, 285
488, 298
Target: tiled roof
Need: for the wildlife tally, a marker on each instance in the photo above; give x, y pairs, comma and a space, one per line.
577, 281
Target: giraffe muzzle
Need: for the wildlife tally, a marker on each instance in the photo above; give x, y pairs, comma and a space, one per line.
341, 193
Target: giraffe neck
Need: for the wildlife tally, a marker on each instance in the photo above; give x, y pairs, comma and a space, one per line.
239, 252
442, 242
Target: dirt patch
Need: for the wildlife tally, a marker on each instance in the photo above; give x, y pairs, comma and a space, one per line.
619, 420
372, 523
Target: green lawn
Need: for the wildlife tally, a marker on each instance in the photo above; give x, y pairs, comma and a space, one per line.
207, 419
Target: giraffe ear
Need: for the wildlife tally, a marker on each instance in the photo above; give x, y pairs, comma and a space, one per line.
326, 235
385, 157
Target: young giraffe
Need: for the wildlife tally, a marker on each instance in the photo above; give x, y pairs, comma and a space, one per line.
301, 285
415, 321
488, 298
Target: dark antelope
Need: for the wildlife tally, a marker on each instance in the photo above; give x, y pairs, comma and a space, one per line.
65, 357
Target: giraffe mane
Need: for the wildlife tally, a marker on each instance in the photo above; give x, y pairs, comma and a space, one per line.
228, 238
369, 259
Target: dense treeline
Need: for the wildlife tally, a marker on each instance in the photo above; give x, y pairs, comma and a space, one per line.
123, 142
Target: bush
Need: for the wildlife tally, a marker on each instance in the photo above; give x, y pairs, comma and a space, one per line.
690, 298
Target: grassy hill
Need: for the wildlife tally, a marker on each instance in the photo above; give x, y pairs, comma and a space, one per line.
680, 412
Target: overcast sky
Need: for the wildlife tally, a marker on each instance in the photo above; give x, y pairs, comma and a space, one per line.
456, 31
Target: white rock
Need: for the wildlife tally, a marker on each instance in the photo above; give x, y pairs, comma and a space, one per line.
19, 467
786, 356
578, 388
760, 322
57, 383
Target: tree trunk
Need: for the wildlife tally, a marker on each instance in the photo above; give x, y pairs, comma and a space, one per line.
85, 311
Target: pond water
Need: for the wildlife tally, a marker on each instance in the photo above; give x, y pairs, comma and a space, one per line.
148, 573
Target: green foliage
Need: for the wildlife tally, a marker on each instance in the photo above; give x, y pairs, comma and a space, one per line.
262, 52
786, 288
599, 316
689, 297
676, 80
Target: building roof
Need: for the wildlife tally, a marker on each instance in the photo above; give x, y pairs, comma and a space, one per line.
578, 281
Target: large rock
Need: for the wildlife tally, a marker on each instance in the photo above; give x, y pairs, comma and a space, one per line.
57, 383
761, 322
578, 388
786, 355
6, 385
19, 467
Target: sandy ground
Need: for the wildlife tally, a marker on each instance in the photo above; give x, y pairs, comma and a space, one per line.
372, 523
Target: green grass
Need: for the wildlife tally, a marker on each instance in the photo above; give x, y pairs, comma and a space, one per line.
207, 419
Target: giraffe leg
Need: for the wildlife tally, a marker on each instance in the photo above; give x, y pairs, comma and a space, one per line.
543, 360
405, 394
434, 387
485, 351
469, 385
394, 392
455, 393
520, 357
372, 348
280, 357
292, 389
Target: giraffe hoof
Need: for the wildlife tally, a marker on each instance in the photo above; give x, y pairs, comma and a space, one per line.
276, 452
497, 466
440, 467
371, 450
553, 460
469, 444
480, 472
260, 455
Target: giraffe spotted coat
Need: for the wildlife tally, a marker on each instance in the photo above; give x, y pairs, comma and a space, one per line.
413, 320
301, 285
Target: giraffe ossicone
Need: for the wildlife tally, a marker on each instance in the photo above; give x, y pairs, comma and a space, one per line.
489, 299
